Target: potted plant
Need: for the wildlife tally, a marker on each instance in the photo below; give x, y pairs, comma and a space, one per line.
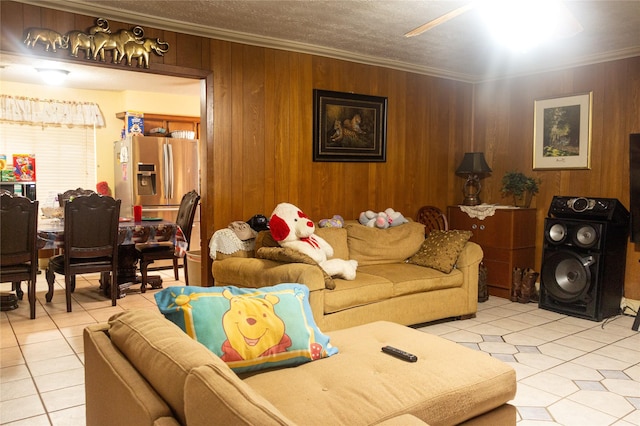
522, 188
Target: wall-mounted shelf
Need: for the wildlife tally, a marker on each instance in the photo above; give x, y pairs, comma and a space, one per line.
169, 122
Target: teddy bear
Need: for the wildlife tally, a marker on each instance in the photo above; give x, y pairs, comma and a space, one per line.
374, 220
395, 218
382, 220
336, 221
290, 227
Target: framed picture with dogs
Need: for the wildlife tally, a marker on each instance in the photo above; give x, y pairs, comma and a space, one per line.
348, 127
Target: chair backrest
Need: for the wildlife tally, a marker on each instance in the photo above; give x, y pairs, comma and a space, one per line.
433, 219
19, 226
91, 227
72, 193
187, 212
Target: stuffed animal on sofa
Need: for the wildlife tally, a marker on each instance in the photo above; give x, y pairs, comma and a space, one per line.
382, 220
395, 218
336, 221
374, 220
290, 227
367, 217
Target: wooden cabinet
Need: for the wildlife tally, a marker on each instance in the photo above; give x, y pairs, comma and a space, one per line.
508, 239
169, 122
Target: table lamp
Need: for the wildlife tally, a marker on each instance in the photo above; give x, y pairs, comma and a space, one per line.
473, 166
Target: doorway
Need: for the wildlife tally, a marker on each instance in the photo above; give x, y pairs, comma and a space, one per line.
19, 77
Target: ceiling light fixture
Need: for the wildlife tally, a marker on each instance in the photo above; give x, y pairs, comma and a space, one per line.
524, 24
53, 76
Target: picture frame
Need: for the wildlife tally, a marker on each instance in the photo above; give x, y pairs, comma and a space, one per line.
562, 132
348, 127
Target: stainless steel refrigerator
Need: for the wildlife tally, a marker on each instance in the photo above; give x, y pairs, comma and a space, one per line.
155, 172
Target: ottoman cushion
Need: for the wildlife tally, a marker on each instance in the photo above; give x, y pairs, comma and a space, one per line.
447, 385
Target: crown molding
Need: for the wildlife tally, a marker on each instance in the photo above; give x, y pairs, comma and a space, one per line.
613, 55
97, 10
92, 9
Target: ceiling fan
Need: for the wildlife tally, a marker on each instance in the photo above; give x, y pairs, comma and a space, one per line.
540, 12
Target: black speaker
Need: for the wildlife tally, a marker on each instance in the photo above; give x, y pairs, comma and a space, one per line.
634, 185
584, 257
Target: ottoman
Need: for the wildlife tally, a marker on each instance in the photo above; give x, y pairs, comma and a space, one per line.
449, 384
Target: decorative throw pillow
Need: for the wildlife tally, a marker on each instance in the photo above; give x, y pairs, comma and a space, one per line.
441, 250
248, 328
289, 255
265, 239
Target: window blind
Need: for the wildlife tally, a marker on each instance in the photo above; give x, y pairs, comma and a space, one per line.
65, 156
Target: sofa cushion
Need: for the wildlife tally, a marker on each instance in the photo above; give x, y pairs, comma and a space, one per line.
370, 246
250, 329
441, 250
365, 289
239, 253
265, 239
109, 372
161, 354
337, 238
410, 279
448, 385
289, 255
216, 396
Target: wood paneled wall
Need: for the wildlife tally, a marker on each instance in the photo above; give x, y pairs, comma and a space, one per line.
258, 131
263, 136
503, 129
257, 128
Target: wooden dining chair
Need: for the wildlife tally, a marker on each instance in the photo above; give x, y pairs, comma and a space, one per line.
72, 193
90, 243
18, 249
148, 253
432, 218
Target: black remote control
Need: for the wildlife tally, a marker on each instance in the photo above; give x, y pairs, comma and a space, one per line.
399, 353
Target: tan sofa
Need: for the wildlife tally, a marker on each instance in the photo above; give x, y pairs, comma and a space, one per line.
141, 369
386, 287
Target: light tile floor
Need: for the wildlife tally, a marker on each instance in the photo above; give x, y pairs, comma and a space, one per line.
570, 371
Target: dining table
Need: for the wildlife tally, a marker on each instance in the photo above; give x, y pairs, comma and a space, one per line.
149, 231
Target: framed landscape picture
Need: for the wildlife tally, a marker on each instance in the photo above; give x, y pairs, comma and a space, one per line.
562, 132
349, 127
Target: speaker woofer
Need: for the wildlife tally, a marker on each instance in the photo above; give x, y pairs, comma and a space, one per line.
557, 233
586, 236
567, 276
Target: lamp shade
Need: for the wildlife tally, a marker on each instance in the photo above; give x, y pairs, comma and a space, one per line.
473, 163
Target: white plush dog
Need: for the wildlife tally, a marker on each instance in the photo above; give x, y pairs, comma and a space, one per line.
290, 227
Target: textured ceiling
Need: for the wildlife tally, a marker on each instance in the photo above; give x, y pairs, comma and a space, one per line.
371, 31
368, 31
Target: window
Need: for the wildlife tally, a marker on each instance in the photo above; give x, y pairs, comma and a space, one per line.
65, 156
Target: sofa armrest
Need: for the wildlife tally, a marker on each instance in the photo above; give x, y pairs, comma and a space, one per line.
468, 263
108, 372
255, 273
403, 420
471, 253
166, 421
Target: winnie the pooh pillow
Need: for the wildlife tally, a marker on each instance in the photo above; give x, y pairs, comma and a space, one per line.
250, 329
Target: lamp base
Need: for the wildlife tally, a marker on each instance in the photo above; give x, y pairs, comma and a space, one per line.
472, 200
471, 191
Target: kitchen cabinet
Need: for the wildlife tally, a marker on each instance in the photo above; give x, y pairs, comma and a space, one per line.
26, 189
508, 239
169, 122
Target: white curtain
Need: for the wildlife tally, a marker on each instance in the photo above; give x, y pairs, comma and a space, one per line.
50, 112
